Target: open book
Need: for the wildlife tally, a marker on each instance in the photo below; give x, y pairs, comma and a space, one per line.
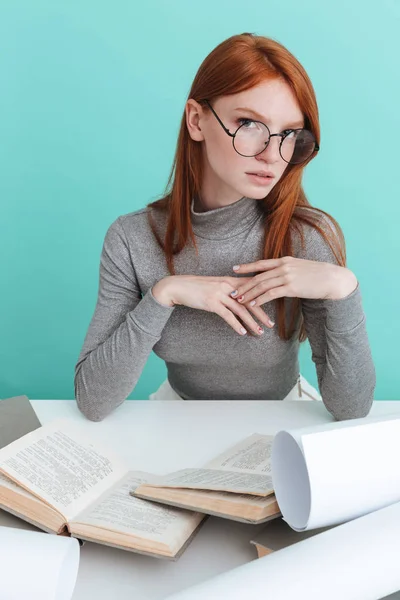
64, 483
236, 485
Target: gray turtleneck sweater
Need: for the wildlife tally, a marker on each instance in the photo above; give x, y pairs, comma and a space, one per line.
205, 358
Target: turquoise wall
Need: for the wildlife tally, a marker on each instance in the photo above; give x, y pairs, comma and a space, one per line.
91, 97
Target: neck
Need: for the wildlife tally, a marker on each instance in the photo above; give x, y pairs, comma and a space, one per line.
225, 221
204, 204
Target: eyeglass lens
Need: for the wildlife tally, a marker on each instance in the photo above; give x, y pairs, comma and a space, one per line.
253, 137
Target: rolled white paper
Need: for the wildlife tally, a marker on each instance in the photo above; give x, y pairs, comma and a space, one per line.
332, 473
36, 565
355, 561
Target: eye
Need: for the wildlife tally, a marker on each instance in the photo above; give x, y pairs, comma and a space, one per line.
244, 121
286, 132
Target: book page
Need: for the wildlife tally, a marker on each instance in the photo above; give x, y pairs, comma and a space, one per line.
60, 464
118, 511
220, 480
243, 468
249, 499
199, 496
7, 483
252, 455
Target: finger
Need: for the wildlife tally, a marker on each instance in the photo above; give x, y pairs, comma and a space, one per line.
231, 279
260, 288
237, 283
276, 292
259, 265
245, 316
230, 318
259, 312
251, 282
235, 280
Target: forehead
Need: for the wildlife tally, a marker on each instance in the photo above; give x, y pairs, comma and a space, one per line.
274, 100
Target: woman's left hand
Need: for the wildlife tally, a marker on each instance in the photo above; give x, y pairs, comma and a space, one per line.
293, 277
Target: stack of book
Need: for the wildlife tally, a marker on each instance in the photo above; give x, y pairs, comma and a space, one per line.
57, 479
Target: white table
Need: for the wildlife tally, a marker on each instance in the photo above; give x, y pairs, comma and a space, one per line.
164, 436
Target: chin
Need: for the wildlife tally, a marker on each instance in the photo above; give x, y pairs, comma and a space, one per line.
262, 193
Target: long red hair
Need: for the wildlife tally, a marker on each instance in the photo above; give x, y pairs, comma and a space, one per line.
235, 65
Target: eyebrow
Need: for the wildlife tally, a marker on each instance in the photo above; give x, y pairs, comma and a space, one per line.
261, 118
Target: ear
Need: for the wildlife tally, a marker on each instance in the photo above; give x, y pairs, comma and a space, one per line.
194, 115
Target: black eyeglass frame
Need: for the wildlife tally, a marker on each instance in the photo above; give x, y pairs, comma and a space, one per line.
282, 135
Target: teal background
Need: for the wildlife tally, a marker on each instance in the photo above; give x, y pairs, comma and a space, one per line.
91, 97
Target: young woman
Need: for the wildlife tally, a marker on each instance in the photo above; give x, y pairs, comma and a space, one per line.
168, 276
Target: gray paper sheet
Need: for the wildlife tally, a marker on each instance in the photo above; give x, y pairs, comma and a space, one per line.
17, 418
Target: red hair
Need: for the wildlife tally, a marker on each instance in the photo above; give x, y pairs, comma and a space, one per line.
235, 65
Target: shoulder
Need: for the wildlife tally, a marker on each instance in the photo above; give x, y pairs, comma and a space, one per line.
132, 228
131, 221
314, 233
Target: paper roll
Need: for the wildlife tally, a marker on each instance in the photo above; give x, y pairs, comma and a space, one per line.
355, 561
332, 473
36, 565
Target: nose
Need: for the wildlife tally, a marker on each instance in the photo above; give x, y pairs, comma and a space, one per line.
271, 152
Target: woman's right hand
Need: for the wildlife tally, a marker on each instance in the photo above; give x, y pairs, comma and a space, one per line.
213, 295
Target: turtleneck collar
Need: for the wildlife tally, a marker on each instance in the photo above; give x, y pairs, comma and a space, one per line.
226, 221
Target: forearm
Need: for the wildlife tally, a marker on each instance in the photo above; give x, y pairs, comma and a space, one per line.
107, 372
347, 378
342, 355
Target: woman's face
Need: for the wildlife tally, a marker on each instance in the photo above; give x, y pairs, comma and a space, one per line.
226, 177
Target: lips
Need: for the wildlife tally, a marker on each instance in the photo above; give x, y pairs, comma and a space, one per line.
263, 174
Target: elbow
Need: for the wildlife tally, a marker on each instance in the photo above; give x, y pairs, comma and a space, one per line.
95, 409
352, 410
91, 413
353, 407
90, 403
349, 409
88, 407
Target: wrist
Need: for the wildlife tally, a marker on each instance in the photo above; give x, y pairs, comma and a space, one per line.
162, 291
343, 284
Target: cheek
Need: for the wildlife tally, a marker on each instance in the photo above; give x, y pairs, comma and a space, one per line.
218, 147
222, 157
233, 167
281, 172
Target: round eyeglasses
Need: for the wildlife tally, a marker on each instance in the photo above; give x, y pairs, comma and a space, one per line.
252, 137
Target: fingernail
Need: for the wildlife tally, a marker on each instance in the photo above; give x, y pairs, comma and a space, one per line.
252, 303
260, 330
236, 267
240, 298
234, 293
243, 331
271, 322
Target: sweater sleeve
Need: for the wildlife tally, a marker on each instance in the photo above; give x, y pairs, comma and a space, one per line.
123, 330
337, 333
